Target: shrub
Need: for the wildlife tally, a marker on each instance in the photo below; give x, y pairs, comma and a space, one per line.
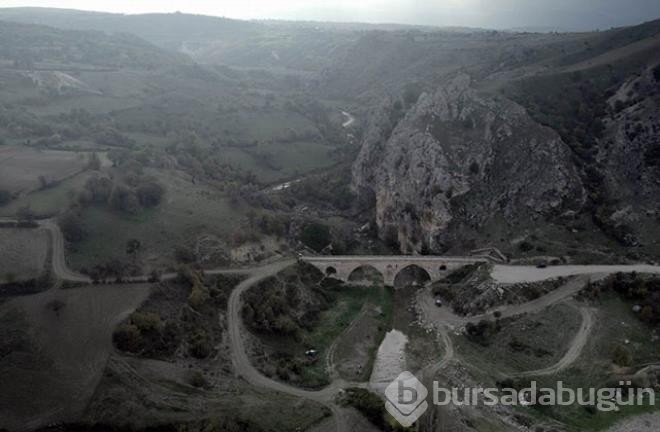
124, 199
372, 407
198, 380
146, 321
622, 357
316, 236
150, 193
5, 197
200, 345
72, 227
481, 333
128, 338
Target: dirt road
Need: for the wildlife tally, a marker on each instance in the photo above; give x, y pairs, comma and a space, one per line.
575, 349
59, 266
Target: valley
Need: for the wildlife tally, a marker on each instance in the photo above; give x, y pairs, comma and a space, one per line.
209, 224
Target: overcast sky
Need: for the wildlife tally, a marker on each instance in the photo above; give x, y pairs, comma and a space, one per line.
565, 14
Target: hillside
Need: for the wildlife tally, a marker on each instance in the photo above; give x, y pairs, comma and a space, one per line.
596, 91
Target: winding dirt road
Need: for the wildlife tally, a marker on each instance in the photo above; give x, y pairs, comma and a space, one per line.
574, 350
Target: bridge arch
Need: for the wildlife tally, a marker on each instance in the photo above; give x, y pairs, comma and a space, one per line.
368, 273
410, 275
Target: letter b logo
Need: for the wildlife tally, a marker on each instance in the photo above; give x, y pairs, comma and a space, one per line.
406, 399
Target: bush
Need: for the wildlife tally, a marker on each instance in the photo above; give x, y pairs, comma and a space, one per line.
5, 197
128, 338
316, 236
198, 380
72, 227
146, 321
124, 199
150, 194
372, 407
200, 345
481, 333
622, 357
184, 255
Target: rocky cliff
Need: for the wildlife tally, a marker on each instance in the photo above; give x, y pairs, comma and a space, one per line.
460, 157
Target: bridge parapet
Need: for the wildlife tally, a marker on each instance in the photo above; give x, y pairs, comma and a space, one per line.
342, 267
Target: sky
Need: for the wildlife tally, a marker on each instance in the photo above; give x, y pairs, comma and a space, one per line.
500, 14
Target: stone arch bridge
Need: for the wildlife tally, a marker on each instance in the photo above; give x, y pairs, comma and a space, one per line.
437, 267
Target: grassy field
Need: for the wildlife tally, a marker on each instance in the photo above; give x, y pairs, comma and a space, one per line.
187, 212
335, 321
22, 167
23, 253
48, 202
285, 160
356, 348
58, 356
595, 369
536, 338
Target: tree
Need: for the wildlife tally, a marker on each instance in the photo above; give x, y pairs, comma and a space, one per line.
622, 357
316, 236
133, 248
25, 214
94, 162
128, 338
72, 227
5, 197
124, 199
150, 193
118, 156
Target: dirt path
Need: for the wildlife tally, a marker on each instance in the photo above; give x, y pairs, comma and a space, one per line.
575, 349
59, 266
429, 372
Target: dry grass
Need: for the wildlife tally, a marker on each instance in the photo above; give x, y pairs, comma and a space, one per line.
22, 253
22, 167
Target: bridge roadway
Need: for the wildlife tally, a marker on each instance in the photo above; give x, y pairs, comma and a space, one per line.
342, 267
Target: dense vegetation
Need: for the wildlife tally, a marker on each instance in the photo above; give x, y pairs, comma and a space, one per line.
281, 305
180, 316
372, 407
640, 290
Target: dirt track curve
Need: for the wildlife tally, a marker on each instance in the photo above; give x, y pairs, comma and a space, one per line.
575, 349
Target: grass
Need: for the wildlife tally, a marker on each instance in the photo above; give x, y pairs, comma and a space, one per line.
22, 167
23, 253
47, 202
617, 323
538, 332
285, 160
336, 320
187, 212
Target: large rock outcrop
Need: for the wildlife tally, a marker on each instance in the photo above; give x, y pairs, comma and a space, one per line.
460, 156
